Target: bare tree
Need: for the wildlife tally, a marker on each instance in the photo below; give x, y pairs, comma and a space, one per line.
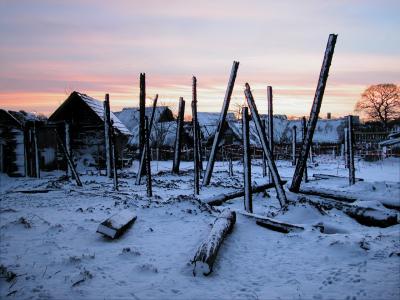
380, 102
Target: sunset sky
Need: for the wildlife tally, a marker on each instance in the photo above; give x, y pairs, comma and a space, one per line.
51, 48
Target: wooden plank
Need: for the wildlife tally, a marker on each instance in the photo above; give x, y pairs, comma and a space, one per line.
218, 133
316, 107
117, 224
272, 224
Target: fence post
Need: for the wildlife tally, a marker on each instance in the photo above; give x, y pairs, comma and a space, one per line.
178, 137
294, 136
248, 205
107, 138
350, 151
196, 159
149, 188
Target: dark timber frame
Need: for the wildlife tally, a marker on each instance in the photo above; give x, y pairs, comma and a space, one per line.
312, 122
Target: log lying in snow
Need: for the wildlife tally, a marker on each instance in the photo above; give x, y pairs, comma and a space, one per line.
364, 215
207, 252
117, 224
336, 195
327, 176
220, 199
272, 224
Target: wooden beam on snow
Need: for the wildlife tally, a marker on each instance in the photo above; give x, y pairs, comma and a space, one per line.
117, 224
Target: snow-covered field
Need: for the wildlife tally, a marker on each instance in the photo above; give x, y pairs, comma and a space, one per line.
49, 240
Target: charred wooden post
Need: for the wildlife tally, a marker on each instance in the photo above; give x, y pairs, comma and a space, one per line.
294, 136
230, 165
312, 122
199, 148
69, 159
220, 199
107, 130
350, 151
37, 159
148, 158
270, 124
346, 147
304, 132
141, 170
117, 224
67, 131
114, 156
178, 137
264, 142
264, 163
207, 252
218, 133
142, 111
248, 203
195, 138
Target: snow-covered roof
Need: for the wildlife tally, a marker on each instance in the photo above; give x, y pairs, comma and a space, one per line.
130, 116
208, 122
98, 107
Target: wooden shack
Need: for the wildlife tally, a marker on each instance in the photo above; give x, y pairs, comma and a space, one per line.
79, 122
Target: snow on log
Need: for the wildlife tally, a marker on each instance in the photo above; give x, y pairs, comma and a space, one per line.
117, 224
272, 224
336, 195
207, 252
328, 176
220, 199
367, 216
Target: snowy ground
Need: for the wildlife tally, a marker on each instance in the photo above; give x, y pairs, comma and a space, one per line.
49, 240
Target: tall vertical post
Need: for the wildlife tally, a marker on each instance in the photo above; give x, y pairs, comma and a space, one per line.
67, 132
304, 131
199, 147
316, 107
264, 163
149, 188
270, 124
114, 156
37, 158
264, 142
141, 170
142, 110
218, 133
350, 151
230, 164
178, 137
294, 136
107, 138
346, 147
195, 137
248, 203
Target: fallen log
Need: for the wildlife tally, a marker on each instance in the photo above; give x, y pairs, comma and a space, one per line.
117, 224
364, 215
272, 224
336, 195
328, 176
220, 199
207, 252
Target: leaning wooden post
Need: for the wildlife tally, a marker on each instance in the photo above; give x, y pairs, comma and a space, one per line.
142, 111
195, 138
148, 158
68, 144
270, 124
37, 161
294, 136
114, 156
264, 163
350, 151
304, 132
218, 133
141, 171
69, 159
248, 203
178, 137
264, 142
107, 138
312, 122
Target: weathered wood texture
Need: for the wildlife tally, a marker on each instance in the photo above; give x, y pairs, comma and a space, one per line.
350, 151
117, 224
264, 160
178, 137
328, 176
196, 158
364, 215
149, 187
248, 202
207, 252
264, 142
142, 110
141, 170
220, 199
114, 158
218, 133
312, 122
107, 138
336, 195
294, 136
304, 132
270, 125
272, 224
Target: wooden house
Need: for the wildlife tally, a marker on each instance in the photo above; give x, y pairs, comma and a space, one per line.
80, 124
